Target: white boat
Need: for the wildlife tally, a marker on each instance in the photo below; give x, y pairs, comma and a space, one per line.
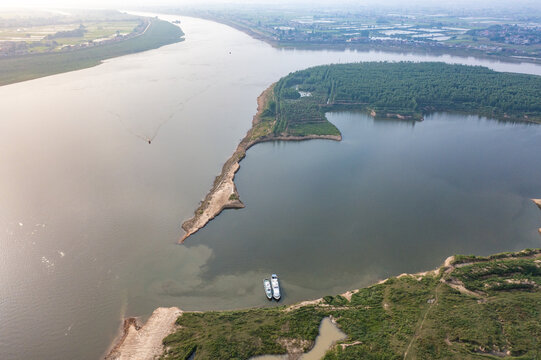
268, 288
275, 287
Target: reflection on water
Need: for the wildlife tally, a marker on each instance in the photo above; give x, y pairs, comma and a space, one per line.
390, 198
90, 212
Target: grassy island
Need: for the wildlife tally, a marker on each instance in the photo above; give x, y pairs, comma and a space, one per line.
401, 90
31, 66
470, 308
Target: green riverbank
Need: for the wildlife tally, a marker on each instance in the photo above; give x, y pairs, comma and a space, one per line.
27, 67
470, 308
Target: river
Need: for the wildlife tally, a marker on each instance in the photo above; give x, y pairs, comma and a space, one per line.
90, 211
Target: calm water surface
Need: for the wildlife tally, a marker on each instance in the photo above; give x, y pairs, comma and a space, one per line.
392, 197
90, 212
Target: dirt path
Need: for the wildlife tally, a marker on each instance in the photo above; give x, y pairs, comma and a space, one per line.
304, 303
447, 279
420, 327
145, 343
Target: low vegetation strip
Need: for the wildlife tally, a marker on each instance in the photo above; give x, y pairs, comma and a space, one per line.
27, 67
402, 90
485, 308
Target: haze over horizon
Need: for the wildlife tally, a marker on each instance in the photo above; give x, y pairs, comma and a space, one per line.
396, 4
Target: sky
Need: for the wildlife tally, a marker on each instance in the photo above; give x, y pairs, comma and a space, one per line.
535, 4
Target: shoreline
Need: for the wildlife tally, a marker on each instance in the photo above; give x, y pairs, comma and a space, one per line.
144, 342
134, 341
223, 194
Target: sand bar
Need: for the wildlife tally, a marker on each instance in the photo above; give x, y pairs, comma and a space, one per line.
223, 194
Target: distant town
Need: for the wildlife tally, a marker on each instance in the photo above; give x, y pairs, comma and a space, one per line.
516, 35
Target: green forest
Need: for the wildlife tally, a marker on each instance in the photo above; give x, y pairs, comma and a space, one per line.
403, 90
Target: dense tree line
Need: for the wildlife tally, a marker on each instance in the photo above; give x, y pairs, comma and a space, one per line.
406, 89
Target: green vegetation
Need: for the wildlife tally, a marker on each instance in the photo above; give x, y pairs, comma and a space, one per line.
242, 334
403, 90
459, 259
483, 309
26, 67
506, 275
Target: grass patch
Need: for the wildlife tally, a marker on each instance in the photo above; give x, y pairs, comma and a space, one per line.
325, 128
263, 128
241, 334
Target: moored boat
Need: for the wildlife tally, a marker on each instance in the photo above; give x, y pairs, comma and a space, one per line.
268, 288
275, 287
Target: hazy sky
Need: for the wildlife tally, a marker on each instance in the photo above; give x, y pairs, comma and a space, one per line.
393, 3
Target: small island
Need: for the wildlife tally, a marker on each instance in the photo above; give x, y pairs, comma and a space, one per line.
294, 108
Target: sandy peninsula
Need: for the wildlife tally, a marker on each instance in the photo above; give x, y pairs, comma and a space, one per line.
145, 342
223, 194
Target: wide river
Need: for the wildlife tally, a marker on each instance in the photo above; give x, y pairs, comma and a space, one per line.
90, 212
